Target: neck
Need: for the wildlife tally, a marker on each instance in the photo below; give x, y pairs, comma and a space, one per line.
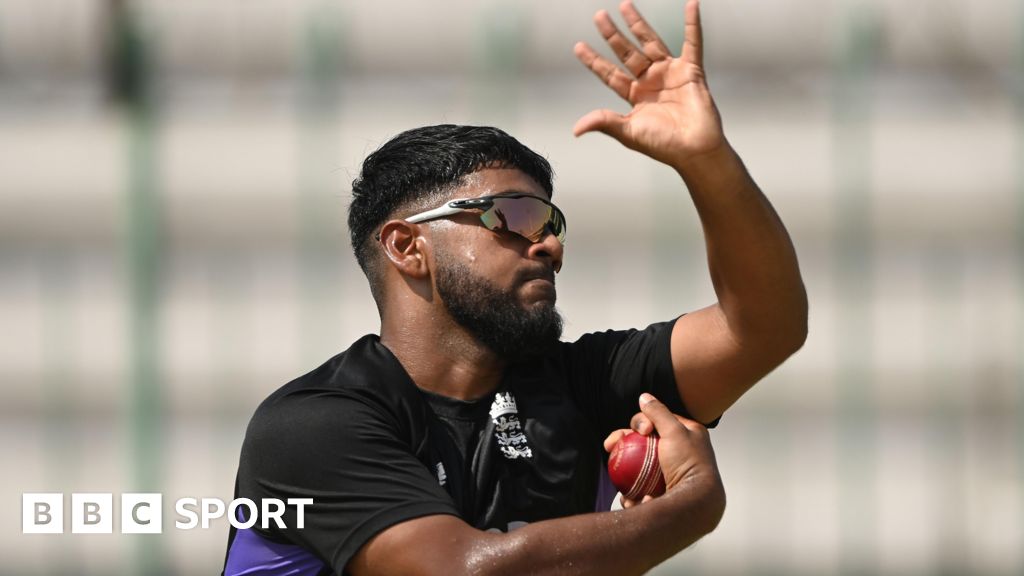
441, 356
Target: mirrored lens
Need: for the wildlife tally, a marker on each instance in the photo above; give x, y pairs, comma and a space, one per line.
526, 216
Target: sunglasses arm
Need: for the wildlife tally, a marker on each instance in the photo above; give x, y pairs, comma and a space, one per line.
441, 212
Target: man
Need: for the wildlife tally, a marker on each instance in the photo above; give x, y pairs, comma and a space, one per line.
467, 438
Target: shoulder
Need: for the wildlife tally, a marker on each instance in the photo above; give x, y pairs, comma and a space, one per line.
359, 390
611, 342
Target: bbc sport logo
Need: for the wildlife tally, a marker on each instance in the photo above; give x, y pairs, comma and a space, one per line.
142, 513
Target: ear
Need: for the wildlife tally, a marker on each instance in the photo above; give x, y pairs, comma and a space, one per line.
404, 246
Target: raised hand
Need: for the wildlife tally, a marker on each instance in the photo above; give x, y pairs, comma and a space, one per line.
674, 119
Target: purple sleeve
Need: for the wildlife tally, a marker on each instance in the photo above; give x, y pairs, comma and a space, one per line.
253, 555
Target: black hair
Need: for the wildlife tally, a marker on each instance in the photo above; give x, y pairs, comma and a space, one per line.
423, 164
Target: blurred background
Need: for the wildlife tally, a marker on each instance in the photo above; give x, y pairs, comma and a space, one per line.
174, 177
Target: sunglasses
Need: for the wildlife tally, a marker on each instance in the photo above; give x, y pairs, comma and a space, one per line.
525, 214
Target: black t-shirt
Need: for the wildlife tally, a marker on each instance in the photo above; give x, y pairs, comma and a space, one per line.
372, 450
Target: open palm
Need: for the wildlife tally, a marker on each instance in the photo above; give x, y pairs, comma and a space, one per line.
674, 118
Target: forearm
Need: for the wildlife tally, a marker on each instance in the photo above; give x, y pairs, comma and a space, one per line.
614, 543
623, 542
751, 258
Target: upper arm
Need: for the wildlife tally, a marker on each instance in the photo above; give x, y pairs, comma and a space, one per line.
714, 364
607, 371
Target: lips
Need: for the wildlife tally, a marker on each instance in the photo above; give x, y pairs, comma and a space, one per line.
541, 282
546, 274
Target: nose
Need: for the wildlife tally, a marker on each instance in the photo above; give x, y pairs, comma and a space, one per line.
549, 249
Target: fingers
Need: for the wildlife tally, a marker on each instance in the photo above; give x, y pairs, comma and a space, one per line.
613, 439
609, 73
638, 423
607, 121
650, 42
632, 57
693, 44
627, 503
641, 424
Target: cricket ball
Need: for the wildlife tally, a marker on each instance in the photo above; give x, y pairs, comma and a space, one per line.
633, 467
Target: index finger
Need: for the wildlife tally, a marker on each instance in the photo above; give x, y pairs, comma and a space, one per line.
693, 44
613, 439
650, 42
641, 424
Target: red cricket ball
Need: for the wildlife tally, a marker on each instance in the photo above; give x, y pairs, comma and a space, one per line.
633, 466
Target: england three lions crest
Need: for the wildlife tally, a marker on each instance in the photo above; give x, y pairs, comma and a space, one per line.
508, 432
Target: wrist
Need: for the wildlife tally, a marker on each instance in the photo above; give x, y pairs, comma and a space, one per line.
717, 160
700, 499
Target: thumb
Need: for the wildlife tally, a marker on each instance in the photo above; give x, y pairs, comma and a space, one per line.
607, 121
659, 414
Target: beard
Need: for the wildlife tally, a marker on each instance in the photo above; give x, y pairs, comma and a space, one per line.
495, 317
